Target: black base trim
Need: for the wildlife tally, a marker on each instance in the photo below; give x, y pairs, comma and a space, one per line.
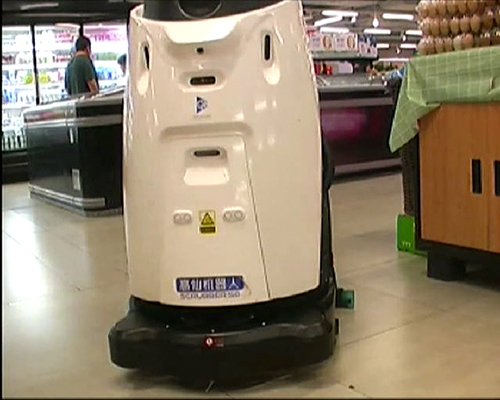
251, 346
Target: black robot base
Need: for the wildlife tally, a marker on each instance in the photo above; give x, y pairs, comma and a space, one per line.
242, 342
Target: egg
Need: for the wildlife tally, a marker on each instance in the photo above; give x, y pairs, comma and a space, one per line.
455, 25
448, 44
468, 41
425, 26
422, 9
452, 7
431, 48
465, 24
485, 39
488, 20
495, 38
481, 4
441, 7
444, 27
422, 47
472, 6
475, 23
457, 43
477, 41
435, 27
462, 6
439, 45
432, 8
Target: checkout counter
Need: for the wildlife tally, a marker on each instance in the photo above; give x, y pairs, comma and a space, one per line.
356, 117
75, 153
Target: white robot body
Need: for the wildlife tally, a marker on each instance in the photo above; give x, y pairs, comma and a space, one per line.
222, 159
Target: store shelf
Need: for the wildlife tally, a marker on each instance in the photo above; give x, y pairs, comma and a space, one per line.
97, 47
29, 87
340, 56
15, 106
59, 65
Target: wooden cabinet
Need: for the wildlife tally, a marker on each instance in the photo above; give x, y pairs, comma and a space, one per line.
459, 156
494, 160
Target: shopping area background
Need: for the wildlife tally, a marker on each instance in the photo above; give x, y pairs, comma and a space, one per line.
55, 46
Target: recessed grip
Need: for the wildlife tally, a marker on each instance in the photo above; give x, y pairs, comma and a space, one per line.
207, 153
203, 81
497, 178
477, 177
267, 47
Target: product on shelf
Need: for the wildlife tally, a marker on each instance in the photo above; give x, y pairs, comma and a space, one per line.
454, 25
361, 44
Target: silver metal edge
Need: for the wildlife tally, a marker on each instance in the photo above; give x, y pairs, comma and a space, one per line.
82, 122
93, 203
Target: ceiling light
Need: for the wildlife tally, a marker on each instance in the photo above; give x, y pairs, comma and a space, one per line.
375, 22
67, 25
328, 29
26, 7
414, 32
404, 17
397, 59
334, 13
404, 38
383, 45
353, 20
327, 21
408, 46
375, 31
398, 51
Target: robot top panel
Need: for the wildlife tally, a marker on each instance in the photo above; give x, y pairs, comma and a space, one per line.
187, 10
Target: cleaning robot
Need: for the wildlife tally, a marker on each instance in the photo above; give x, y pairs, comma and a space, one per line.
226, 183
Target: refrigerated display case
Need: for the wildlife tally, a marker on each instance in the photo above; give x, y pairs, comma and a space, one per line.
18, 93
109, 41
53, 44
18, 86
23, 87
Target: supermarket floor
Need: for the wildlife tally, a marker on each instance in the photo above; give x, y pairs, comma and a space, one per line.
65, 283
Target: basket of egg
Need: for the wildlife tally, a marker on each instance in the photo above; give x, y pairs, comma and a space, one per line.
454, 25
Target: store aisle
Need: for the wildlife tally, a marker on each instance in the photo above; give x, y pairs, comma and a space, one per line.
65, 284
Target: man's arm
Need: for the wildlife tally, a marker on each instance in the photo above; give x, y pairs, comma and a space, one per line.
90, 79
93, 86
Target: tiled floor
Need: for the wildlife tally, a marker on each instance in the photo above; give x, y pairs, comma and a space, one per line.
65, 284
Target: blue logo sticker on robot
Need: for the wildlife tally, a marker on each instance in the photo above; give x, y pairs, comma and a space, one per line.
201, 105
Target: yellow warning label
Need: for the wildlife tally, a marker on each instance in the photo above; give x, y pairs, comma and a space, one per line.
207, 223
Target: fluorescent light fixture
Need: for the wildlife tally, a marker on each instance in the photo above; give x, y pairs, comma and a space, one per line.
402, 17
328, 29
66, 25
408, 46
328, 21
383, 45
393, 59
335, 13
375, 31
51, 4
414, 32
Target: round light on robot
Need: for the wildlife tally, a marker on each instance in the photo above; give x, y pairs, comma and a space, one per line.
209, 342
199, 8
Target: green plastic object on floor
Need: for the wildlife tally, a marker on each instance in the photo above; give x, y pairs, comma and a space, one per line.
345, 298
406, 235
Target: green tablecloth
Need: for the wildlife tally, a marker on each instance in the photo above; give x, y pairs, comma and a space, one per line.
471, 76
